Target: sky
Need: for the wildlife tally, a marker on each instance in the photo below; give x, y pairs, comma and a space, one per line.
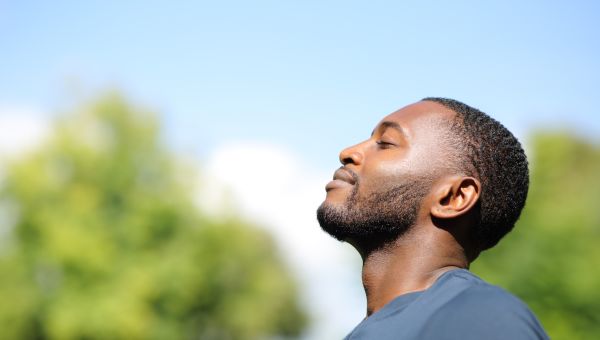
282, 86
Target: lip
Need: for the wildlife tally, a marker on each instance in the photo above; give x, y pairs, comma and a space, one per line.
336, 183
344, 175
341, 178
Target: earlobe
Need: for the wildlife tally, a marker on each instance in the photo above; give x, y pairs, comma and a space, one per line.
456, 197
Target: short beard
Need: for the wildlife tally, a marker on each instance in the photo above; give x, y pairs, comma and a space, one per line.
381, 217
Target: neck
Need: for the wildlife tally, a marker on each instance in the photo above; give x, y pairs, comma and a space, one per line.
410, 263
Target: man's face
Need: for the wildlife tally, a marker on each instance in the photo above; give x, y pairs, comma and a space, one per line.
380, 188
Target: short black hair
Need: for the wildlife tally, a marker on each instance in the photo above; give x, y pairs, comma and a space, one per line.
494, 156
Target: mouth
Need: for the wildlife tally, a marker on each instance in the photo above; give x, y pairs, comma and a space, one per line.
341, 178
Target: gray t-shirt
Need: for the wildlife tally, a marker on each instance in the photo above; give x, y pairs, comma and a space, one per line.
459, 305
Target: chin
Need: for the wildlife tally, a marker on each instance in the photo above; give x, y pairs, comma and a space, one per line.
336, 197
341, 195
336, 220
328, 215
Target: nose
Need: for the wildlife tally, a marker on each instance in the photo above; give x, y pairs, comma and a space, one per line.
351, 155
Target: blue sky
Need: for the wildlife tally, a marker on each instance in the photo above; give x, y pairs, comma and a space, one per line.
310, 75
282, 86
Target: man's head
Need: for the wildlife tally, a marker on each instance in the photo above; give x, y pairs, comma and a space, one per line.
437, 160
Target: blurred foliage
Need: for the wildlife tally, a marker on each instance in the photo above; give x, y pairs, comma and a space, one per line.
101, 240
552, 258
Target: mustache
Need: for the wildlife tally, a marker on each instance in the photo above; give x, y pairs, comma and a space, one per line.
352, 173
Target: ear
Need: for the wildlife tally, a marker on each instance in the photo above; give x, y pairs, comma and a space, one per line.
456, 195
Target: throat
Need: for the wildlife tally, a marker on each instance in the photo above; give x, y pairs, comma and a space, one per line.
394, 271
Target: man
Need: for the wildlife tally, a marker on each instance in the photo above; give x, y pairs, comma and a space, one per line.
436, 183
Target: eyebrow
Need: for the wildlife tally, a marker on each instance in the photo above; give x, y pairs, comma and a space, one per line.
393, 125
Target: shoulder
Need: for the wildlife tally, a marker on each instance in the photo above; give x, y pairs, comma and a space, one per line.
483, 311
482, 295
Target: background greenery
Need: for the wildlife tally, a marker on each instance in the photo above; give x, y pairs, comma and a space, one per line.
103, 241
552, 258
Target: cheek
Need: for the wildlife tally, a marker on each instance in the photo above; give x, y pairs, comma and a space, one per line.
379, 175
382, 175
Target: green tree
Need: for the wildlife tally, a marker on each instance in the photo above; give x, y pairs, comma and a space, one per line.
552, 258
101, 240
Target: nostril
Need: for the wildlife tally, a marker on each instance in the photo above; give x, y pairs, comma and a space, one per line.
354, 158
350, 155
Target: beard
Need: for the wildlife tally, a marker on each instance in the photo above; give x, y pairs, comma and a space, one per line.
381, 216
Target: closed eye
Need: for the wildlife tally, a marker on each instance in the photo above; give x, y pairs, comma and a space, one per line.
384, 145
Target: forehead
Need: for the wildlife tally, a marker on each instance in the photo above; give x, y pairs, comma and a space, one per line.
420, 115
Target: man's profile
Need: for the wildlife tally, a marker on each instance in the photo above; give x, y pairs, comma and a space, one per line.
437, 183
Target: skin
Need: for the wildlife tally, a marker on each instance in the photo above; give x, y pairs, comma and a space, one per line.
406, 142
